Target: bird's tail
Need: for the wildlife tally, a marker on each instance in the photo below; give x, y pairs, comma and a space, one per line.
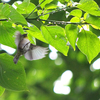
16, 58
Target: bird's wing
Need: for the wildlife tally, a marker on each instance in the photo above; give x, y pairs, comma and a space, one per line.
36, 52
17, 37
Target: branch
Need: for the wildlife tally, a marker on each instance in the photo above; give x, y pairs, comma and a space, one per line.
3, 19
59, 22
50, 21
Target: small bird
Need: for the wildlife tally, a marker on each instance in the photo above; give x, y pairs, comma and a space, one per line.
29, 50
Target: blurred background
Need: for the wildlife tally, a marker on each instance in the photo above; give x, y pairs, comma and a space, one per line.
57, 77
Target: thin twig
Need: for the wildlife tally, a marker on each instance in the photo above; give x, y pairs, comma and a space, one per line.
35, 8
55, 11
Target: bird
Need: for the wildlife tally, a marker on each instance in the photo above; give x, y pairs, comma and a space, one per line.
26, 48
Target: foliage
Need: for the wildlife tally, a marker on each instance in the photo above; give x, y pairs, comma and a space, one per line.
50, 24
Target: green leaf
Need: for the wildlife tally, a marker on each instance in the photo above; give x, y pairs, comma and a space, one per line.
4, 10
22, 9
17, 17
89, 6
35, 32
94, 20
89, 44
76, 12
55, 36
44, 3
7, 34
71, 33
75, 20
26, 2
12, 76
1, 90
